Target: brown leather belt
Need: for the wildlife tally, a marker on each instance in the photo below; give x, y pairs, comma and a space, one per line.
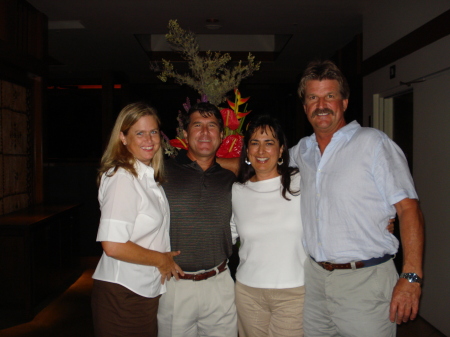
207, 274
354, 265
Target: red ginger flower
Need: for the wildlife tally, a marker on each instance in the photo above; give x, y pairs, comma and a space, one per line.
231, 147
178, 143
229, 119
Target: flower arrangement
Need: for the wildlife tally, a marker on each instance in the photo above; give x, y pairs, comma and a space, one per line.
233, 121
213, 79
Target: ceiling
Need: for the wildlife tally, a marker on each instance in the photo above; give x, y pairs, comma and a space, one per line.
318, 29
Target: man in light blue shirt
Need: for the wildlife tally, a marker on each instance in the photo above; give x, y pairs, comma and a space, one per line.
354, 180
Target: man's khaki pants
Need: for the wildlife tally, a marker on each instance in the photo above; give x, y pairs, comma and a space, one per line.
198, 308
349, 302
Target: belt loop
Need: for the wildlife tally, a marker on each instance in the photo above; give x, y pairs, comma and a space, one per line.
216, 270
353, 264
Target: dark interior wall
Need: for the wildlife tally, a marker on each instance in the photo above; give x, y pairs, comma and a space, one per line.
74, 183
72, 148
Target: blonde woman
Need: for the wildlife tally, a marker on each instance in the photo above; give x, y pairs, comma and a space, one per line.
134, 228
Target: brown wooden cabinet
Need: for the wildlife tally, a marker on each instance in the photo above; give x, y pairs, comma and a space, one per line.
39, 257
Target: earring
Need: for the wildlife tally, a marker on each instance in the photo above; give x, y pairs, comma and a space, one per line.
124, 143
247, 161
280, 162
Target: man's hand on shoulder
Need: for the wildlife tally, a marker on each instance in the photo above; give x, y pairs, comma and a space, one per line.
405, 301
231, 164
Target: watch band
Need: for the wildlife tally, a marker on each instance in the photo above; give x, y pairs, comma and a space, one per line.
411, 277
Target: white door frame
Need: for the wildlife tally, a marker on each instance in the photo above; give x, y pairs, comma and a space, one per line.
383, 113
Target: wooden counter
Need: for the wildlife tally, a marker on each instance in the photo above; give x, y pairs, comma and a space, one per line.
39, 256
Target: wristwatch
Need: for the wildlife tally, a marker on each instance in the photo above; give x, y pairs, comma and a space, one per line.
411, 277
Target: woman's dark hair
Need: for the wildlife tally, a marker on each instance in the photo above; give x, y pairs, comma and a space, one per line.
265, 123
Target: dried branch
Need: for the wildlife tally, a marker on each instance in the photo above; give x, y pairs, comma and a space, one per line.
210, 74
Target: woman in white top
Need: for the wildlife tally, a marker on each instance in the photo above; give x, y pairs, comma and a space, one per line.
266, 216
134, 228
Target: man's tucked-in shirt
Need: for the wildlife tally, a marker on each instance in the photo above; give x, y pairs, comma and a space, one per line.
200, 212
349, 192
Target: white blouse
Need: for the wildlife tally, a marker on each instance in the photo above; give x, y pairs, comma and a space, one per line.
137, 210
270, 229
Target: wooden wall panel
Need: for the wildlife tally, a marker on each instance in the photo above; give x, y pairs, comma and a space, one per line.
15, 202
14, 97
15, 175
2, 184
15, 132
23, 51
15, 148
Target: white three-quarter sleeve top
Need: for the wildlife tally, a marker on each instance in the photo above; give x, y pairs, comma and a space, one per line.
133, 209
270, 229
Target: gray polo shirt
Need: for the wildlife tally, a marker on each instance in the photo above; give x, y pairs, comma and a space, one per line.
200, 212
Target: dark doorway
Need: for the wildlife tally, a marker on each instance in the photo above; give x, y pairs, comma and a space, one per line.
403, 135
403, 124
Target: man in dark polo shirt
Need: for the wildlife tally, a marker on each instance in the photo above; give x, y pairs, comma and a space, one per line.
201, 303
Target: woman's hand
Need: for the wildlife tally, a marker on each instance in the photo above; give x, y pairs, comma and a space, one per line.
133, 253
390, 226
168, 268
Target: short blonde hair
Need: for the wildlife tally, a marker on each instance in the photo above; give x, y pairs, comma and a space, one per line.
117, 155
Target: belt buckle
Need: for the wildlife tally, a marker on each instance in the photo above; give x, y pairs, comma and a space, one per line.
200, 276
327, 266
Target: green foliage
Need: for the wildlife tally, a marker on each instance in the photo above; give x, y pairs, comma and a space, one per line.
210, 74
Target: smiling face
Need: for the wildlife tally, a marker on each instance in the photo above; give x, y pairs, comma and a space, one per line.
324, 106
203, 136
143, 139
263, 152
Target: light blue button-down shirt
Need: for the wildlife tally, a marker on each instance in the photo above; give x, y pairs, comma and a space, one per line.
349, 192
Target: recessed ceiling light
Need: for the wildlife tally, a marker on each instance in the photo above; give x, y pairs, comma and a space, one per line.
213, 24
265, 47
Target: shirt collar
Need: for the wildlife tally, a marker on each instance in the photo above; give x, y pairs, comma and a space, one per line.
346, 131
142, 169
183, 159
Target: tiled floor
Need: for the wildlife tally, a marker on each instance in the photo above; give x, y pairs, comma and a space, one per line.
70, 316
